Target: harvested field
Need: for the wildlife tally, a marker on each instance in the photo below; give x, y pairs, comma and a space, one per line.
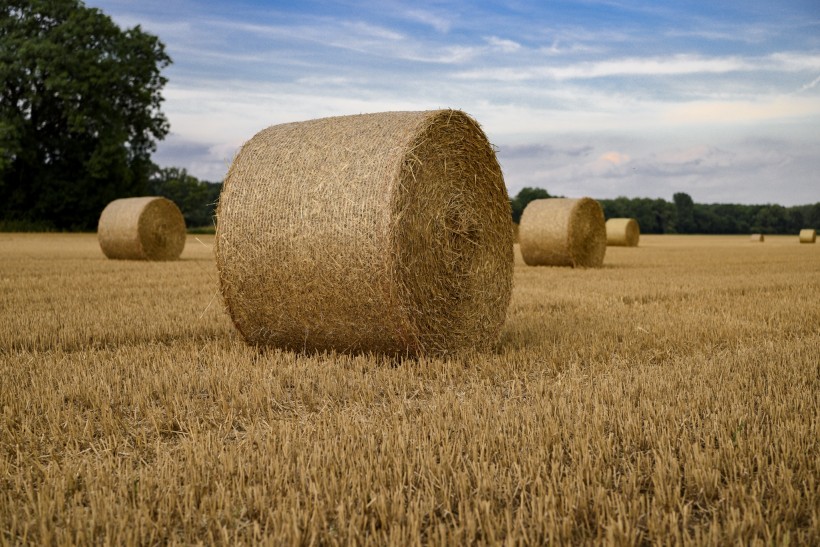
669, 396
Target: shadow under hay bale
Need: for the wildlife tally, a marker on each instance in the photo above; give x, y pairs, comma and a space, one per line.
808, 235
563, 232
383, 233
622, 232
143, 228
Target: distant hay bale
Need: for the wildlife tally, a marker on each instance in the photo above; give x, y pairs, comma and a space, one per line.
757, 238
145, 228
622, 232
808, 235
563, 232
385, 232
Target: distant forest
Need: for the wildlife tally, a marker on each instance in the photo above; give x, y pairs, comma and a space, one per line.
684, 216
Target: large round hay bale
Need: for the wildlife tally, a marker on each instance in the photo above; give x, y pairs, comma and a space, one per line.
385, 232
145, 228
563, 232
757, 238
808, 235
622, 232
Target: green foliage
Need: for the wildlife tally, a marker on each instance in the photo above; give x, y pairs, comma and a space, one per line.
526, 195
685, 212
196, 199
80, 111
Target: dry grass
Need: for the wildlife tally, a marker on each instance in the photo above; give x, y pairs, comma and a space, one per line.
670, 396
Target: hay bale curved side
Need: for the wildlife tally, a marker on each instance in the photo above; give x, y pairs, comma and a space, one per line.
757, 238
383, 232
144, 228
622, 232
808, 235
563, 232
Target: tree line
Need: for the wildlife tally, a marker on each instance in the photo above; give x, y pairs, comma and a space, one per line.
683, 216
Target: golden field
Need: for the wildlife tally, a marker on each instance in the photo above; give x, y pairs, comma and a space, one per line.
672, 396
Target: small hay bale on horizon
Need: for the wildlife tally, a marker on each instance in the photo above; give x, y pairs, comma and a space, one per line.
757, 238
386, 233
622, 232
141, 228
563, 232
808, 235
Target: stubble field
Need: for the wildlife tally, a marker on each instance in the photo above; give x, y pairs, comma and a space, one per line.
672, 396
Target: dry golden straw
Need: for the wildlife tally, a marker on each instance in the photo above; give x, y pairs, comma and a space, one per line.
563, 232
385, 232
808, 235
145, 228
757, 238
622, 232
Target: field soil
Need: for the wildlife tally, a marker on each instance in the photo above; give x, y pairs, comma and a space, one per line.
672, 396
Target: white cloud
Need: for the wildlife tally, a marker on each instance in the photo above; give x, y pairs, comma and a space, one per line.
739, 111
502, 44
672, 65
810, 85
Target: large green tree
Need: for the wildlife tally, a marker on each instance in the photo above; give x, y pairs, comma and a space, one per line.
80, 112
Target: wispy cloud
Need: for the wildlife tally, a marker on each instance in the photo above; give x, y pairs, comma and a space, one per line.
810, 85
631, 66
502, 44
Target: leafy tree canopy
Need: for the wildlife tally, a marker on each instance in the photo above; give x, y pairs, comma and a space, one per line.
80, 111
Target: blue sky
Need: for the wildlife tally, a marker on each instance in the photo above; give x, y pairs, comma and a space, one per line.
719, 99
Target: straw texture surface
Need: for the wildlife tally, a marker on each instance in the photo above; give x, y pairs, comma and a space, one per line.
757, 238
563, 232
383, 233
144, 228
808, 235
622, 232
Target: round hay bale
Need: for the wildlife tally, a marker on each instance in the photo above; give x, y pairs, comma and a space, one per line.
808, 235
563, 232
146, 228
622, 232
385, 233
757, 238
